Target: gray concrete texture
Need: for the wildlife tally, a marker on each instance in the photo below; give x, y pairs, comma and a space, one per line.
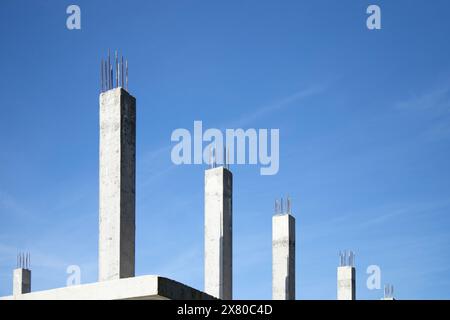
283, 257
219, 233
346, 283
117, 185
21, 281
137, 288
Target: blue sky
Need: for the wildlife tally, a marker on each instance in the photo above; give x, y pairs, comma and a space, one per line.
364, 119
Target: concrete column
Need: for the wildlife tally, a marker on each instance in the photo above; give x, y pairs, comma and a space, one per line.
218, 232
21, 281
283, 257
346, 283
117, 185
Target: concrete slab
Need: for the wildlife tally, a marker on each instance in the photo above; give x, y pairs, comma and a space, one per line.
151, 287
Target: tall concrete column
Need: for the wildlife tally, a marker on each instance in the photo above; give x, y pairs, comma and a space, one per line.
283, 257
346, 277
218, 232
117, 184
21, 281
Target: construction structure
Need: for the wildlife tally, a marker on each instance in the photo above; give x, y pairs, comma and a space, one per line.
283, 252
117, 218
149, 287
117, 190
117, 222
346, 276
219, 230
22, 274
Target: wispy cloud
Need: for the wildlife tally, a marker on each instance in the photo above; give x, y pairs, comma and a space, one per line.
276, 106
6, 252
433, 108
9, 206
154, 162
375, 217
438, 131
149, 156
437, 99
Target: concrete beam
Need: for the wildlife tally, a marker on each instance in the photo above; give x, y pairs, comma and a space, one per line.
117, 185
150, 287
218, 232
283, 257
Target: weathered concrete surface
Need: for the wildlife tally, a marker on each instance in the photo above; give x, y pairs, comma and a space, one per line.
218, 232
346, 283
117, 185
283, 257
21, 281
144, 287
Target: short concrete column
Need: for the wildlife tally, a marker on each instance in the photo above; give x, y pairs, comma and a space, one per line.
346, 277
283, 257
21, 281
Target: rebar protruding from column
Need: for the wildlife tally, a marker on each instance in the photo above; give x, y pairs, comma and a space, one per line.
346, 258
23, 260
284, 205
277, 207
109, 71
388, 291
281, 207
101, 76
224, 157
121, 73
126, 77
115, 74
288, 205
117, 69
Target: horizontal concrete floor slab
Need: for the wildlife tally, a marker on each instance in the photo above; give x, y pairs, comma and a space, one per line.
150, 287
